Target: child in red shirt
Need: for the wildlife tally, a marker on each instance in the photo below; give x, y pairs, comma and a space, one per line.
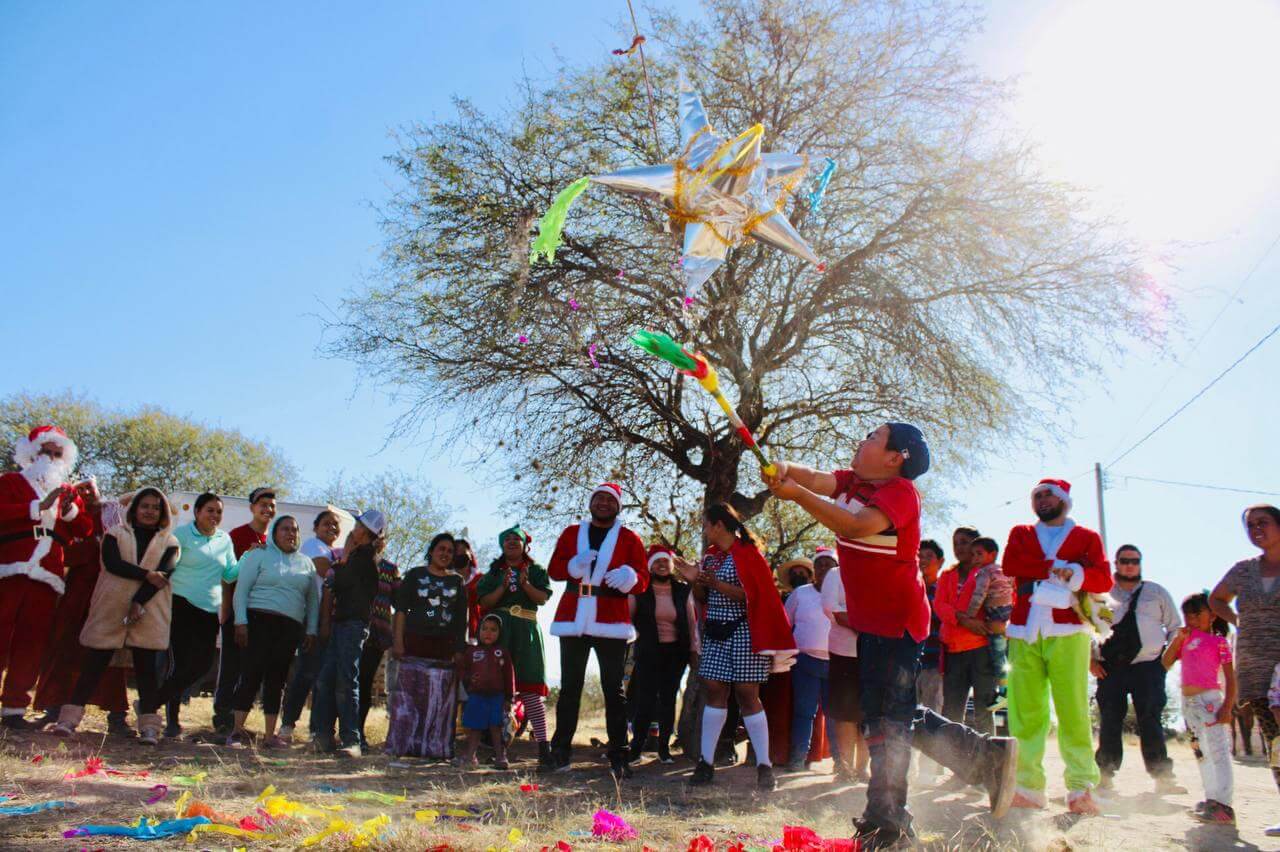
485, 670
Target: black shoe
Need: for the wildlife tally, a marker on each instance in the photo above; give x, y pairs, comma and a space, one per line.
1000, 774
558, 761
619, 767
120, 728
871, 836
20, 723
172, 731
545, 757
726, 756
764, 778
703, 773
664, 755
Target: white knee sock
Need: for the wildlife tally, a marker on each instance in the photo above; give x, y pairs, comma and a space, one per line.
712, 723
758, 730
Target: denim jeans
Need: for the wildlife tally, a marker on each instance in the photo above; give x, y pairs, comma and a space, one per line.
301, 684
337, 696
893, 724
808, 692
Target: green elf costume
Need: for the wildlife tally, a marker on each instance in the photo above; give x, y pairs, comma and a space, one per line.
1053, 562
521, 635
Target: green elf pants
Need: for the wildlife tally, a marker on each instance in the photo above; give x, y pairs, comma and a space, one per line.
1057, 665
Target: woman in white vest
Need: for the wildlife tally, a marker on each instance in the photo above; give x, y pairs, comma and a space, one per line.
131, 608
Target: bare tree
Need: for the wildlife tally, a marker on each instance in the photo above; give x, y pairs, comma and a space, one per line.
963, 290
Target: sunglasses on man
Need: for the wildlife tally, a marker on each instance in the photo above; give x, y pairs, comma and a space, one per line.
1127, 560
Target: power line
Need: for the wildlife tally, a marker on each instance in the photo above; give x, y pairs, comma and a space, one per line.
1204, 334
1199, 393
1203, 485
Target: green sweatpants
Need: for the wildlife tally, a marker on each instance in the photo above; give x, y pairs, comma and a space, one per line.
1057, 665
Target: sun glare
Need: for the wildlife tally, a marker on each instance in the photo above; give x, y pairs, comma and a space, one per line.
1169, 110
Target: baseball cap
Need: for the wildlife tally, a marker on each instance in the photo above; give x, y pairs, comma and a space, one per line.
909, 440
372, 520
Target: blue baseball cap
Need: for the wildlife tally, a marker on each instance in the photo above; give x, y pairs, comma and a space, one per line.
909, 440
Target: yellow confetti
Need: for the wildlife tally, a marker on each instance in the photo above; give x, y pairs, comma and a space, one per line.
458, 812
428, 816
515, 836
234, 831
181, 804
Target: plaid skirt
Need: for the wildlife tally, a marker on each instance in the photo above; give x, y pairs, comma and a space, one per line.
422, 706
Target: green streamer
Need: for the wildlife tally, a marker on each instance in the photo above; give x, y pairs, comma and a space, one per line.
660, 345
552, 224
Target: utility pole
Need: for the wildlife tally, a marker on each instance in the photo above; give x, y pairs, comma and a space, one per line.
1102, 512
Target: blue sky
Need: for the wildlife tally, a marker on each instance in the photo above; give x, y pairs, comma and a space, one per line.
189, 185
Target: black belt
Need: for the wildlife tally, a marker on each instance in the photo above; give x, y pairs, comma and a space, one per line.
33, 533
587, 590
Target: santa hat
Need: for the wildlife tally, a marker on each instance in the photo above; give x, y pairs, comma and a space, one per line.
823, 550
659, 551
1059, 488
27, 449
612, 489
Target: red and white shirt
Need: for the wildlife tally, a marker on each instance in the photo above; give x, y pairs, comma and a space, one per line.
884, 591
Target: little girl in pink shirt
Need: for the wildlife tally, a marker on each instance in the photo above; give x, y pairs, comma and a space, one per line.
1204, 705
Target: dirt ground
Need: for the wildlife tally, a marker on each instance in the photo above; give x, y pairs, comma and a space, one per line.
665, 812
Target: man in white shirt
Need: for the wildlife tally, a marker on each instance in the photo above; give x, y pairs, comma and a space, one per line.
1128, 665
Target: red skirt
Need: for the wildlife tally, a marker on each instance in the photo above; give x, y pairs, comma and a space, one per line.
61, 667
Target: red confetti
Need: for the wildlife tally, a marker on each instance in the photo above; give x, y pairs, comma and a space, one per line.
689, 300
560, 846
37, 758
702, 843
622, 273
529, 788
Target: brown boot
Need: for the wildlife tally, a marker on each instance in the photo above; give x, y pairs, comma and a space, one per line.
149, 727
69, 718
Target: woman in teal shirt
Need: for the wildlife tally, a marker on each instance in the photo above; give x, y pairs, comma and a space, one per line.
208, 558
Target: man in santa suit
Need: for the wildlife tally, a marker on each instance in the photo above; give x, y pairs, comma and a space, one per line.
40, 513
1049, 643
601, 562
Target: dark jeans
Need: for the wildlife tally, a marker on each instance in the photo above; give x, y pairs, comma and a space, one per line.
611, 655
809, 691
655, 682
224, 694
370, 659
337, 697
1144, 682
306, 668
193, 637
962, 672
893, 723
95, 665
273, 640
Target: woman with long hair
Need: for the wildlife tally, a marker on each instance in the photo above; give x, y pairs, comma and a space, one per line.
430, 629
207, 561
744, 636
513, 588
666, 623
131, 606
1254, 586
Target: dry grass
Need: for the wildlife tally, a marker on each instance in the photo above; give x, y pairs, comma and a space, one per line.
663, 809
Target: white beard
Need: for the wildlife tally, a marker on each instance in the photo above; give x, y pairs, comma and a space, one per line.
47, 474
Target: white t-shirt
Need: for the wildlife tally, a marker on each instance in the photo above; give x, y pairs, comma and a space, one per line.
840, 640
314, 548
809, 624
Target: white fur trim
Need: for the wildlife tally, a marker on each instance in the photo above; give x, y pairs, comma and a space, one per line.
661, 554
623, 578
33, 570
605, 554
35, 509
25, 451
13, 711
1055, 490
71, 515
605, 489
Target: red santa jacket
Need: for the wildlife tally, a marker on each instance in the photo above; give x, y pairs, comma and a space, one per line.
1025, 560
766, 616
605, 615
31, 541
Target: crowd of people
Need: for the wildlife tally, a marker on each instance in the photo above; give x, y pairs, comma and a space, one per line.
867, 651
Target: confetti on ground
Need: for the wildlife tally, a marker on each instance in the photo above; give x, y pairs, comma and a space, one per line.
376, 796
157, 793
573, 304
611, 826
427, 816
591, 353
37, 807
189, 780
37, 758
142, 830
529, 788
95, 766
523, 339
